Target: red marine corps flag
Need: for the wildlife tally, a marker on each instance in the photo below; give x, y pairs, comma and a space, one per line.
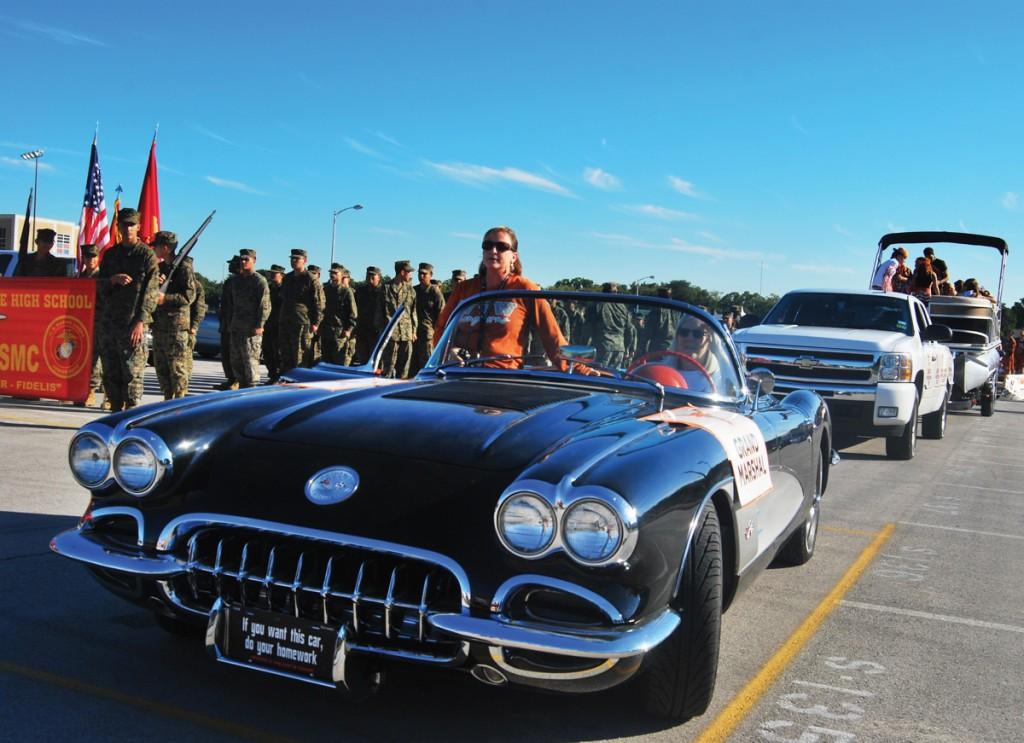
149, 200
93, 227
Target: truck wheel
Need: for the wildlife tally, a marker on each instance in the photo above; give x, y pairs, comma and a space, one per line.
904, 446
799, 548
933, 425
680, 681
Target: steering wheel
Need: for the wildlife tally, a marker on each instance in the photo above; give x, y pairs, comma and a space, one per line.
652, 356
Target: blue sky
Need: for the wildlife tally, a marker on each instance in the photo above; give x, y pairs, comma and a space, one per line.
686, 140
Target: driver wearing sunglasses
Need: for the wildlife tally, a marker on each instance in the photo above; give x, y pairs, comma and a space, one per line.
695, 358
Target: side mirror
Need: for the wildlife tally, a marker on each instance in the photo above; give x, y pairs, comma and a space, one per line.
749, 321
763, 381
940, 333
578, 353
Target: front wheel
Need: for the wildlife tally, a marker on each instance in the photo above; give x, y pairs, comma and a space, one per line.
681, 679
799, 549
904, 446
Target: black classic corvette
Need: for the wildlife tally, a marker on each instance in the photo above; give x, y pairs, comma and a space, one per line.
567, 496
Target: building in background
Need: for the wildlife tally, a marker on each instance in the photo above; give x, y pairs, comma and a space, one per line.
64, 245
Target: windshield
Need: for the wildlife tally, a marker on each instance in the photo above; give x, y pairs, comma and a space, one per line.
853, 311
616, 336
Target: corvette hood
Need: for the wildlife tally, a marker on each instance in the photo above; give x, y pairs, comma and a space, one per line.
481, 424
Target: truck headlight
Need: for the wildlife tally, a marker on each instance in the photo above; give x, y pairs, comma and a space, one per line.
895, 367
525, 524
89, 459
140, 462
591, 531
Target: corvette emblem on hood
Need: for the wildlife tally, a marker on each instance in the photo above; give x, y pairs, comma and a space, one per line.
332, 485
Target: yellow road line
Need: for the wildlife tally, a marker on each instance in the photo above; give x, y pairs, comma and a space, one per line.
742, 703
37, 422
176, 713
852, 532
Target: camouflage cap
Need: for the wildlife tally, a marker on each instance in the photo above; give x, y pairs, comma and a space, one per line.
247, 253
337, 267
426, 267
372, 270
458, 273
299, 252
313, 268
90, 251
609, 287
165, 237
46, 234
405, 265
128, 216
274, 268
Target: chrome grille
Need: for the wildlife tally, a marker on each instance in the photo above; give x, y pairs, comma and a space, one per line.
809, 366
384, 600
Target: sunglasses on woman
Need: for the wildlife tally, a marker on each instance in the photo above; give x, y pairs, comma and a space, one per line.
498, 245
695, 333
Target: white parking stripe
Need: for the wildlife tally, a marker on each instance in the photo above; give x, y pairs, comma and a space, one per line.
929, 615
966, 531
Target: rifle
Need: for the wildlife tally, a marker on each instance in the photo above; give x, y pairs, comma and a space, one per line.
183, 253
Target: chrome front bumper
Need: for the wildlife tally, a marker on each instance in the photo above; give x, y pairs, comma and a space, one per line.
621, 644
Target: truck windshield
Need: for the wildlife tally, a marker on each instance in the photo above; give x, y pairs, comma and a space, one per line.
854, 311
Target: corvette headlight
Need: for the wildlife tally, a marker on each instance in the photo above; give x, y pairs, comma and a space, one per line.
895, 367
592, 531
526, 524
89, 459
140, 462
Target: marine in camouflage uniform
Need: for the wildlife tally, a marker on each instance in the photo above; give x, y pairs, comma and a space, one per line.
608, 321
171, 319
271, 329
458, 276
128, 281
224, 328
301, 311
312, 356
42, 264
562, 318
340, 315
429, 303
398, 351
250, 308
196, 313
371, 321
659, 327
91, 270
348, 348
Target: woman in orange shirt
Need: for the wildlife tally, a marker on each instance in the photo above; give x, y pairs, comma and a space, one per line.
501, 327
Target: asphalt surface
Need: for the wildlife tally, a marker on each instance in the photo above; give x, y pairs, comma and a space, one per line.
908, 624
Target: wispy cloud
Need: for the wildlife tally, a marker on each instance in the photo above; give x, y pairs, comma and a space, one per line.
46, 148
234, 185
830, 268
214, 136
679, 245
652, 210
1011, 201
842, 230
53, 33
685, 187
361, 148
483, 174
466, 235
601, 179
794, 120
308, 81
17, 162
708, 235
388, 139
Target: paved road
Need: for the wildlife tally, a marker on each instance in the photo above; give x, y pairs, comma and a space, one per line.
908, 624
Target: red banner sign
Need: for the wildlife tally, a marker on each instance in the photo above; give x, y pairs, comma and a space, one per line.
46, 337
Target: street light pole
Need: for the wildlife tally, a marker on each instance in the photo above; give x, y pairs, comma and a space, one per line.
636, 284
334, 224
34, 155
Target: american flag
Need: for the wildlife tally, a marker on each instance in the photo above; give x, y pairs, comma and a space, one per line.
93, 228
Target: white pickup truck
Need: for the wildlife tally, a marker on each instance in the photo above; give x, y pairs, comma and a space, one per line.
875, 358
